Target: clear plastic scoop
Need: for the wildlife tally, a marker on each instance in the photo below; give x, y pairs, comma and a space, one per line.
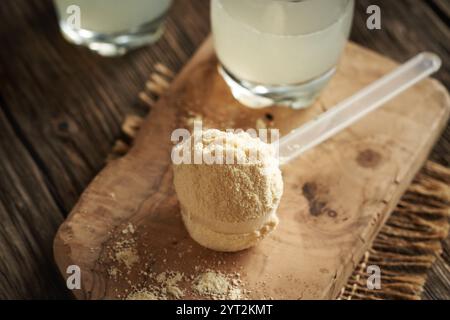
357, 106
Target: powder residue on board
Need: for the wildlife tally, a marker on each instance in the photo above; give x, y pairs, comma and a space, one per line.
218, 285
125, 250
167, 283
148, 293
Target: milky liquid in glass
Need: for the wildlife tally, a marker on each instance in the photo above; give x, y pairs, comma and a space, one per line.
124, 24
280, 43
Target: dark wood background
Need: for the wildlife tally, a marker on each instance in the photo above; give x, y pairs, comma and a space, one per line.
61, 108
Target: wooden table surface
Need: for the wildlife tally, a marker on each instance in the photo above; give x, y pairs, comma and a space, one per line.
61, 108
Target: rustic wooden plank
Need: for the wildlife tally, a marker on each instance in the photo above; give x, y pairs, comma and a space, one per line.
69, 104
27, 269
442, 9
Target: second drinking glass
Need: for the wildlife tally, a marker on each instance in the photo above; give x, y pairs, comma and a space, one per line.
112, 27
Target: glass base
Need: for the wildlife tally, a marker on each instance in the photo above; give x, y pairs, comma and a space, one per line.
114, 44
256, 95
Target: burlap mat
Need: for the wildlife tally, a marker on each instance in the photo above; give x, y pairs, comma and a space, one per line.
406, 246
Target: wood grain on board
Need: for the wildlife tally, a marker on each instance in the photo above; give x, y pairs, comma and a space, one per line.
336, 197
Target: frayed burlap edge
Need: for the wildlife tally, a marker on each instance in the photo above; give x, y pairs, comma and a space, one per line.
407, 245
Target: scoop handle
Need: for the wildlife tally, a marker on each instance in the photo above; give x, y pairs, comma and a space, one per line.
357, 106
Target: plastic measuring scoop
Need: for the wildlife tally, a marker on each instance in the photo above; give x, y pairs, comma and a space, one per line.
357, 106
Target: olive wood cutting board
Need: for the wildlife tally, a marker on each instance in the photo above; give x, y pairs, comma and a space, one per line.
337, 196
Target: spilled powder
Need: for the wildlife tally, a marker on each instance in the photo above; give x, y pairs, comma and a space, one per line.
149, 293
218, 286
191, 119
124, 252
203, 283
168, 282
129, 229
208, 284
166, 288
127, 256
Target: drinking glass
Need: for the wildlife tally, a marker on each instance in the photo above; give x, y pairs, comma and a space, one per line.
112, 27
279, 52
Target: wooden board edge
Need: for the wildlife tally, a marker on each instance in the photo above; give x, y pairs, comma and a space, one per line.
63, 252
